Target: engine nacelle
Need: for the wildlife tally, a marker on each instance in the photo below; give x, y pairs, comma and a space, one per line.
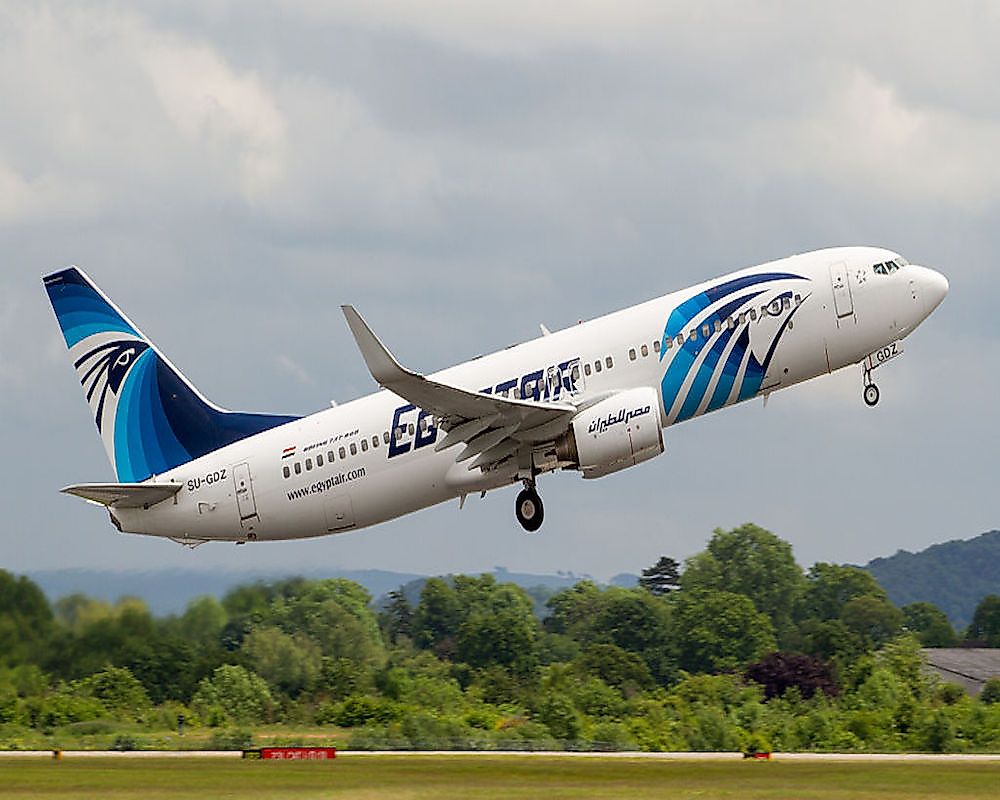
616, 433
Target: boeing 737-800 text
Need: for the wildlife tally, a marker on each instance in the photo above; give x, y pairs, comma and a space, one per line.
594, 398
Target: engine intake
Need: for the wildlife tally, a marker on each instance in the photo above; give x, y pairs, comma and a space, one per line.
620, 431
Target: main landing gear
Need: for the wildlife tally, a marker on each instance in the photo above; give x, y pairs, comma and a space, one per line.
528, 508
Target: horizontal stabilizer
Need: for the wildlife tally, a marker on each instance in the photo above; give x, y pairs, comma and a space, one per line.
124, 495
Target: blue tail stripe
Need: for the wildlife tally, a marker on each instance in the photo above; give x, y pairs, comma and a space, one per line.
171, 450
152, 455
81, 312
125, 431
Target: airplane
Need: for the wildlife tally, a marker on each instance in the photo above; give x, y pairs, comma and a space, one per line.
594, 397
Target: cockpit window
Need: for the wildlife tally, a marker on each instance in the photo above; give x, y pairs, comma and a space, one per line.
888, 267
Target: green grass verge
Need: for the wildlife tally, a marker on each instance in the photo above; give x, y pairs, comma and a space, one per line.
437, 777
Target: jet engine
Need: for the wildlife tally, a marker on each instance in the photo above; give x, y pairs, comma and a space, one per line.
618, 432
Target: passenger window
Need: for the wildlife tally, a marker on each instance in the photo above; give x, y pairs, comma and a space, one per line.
693, 335
743, 317
608, 362
753, 314
319, 459
364, 445
670, 343
309, 464
730, 323
718, 325
343, 453
575, 373
597, 366
798, 300
656, 346
329, 457
298, 468
706, 331
586, 369
385, 436
354, 448
412, 429
631, 354
645, 351
374, 442
680, 339
286, 471
786, 303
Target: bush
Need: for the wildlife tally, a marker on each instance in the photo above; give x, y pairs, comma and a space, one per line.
125, 741
359, 710
232, 693
991, 692
232, 739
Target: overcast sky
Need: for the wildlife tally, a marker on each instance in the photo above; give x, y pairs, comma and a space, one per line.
231, 172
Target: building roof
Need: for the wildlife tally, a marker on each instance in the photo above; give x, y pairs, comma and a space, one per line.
969, 667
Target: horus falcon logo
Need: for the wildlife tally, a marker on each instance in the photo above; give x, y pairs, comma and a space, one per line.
103, 369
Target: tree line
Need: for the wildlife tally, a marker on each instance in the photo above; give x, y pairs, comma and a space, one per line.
740, 649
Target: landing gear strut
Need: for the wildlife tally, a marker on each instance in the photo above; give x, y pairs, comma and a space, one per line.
528, 508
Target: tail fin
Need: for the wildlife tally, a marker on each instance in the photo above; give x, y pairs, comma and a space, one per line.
149, 417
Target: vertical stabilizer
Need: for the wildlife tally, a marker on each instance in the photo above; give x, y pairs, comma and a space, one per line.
150, 418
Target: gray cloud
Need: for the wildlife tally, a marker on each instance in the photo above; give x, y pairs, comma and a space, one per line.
232, 172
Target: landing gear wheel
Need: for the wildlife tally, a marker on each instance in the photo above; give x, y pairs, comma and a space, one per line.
871, 394
529, 511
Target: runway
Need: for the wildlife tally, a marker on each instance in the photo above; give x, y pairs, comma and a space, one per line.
800, 757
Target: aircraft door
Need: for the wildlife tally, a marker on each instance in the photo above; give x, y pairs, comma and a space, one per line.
244, 496
842, 300
339, 512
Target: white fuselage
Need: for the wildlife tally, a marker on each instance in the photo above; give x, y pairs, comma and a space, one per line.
827, 310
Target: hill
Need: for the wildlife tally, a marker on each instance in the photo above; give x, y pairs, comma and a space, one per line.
954, 576
168, 591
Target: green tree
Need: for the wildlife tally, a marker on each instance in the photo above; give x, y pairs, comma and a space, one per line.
118, 690
930, 624
755, 563
398, 616
438, 616
25, 619
830, 586
661, 578
719, 631
985, 625
203, 620
290, 663
874, 619
233, 694
617, 667
499, 628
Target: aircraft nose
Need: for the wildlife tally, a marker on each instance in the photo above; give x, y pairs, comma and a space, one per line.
933, 288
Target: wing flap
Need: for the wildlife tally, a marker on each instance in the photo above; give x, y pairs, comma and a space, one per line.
124, 495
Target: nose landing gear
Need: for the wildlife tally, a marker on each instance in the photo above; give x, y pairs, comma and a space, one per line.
528, 508
871, 394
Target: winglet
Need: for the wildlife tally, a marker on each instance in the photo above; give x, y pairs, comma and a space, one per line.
381, 363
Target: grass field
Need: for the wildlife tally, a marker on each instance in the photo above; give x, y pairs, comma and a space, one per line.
406, 777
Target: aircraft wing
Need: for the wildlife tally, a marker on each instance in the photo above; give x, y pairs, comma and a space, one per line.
124, 495
494, 428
